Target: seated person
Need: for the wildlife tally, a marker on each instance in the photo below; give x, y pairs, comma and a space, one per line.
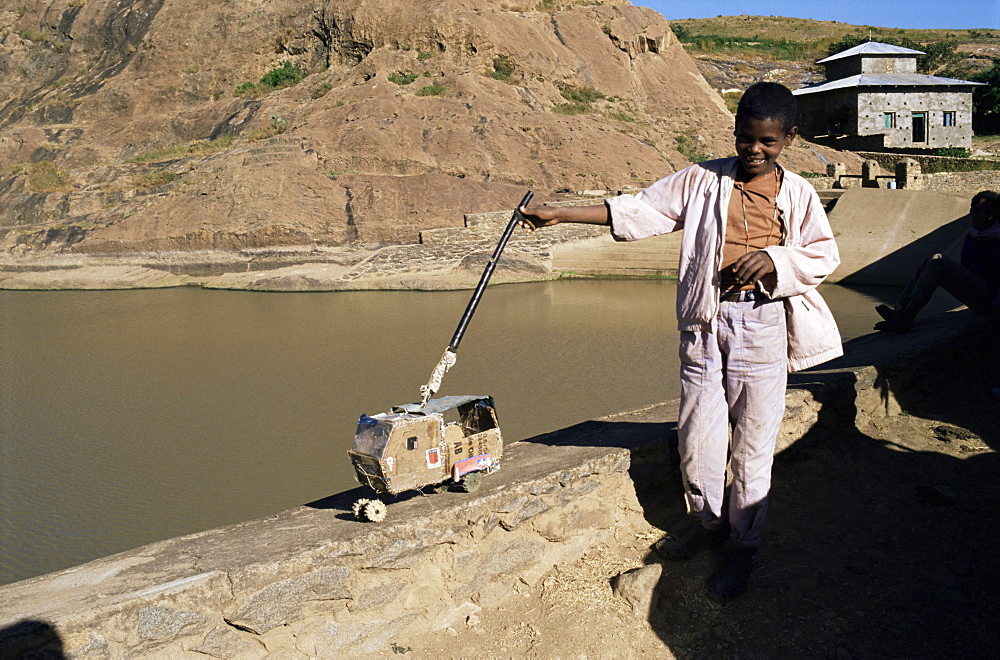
974, 281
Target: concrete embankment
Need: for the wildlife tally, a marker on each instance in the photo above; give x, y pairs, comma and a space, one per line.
881, 234
312, 581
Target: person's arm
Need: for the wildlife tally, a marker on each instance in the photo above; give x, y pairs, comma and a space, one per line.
546, 216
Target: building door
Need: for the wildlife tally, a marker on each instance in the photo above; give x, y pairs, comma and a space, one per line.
920, 127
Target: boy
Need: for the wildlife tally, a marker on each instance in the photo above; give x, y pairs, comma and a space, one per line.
756, 244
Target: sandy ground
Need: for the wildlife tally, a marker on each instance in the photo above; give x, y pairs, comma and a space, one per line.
879, 543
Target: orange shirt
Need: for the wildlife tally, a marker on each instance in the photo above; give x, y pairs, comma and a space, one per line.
752, 223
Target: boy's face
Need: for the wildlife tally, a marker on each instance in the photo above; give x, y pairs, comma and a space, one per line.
759, 143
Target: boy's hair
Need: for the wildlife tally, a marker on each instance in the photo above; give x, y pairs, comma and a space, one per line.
767, 100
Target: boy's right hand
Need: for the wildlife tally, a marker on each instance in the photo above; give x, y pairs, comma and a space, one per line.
546, 216
536, 216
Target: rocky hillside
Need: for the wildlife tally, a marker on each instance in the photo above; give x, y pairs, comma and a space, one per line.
152, 125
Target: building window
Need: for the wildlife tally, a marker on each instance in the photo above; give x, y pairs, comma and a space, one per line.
889, 120
920, 127
949, 118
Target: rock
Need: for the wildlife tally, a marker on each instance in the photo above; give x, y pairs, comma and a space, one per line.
638, 588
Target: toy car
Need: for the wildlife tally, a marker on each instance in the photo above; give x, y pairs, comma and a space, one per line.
418, 445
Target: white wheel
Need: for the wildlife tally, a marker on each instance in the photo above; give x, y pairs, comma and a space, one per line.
374, 510
359, 507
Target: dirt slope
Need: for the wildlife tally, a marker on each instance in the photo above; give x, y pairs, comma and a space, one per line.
120, 128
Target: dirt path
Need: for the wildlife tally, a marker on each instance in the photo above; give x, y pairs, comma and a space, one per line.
879, 543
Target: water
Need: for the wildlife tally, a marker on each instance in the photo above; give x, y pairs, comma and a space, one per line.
132, 416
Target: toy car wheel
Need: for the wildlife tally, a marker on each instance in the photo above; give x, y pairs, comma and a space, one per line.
374, 510
359, 507
471, 482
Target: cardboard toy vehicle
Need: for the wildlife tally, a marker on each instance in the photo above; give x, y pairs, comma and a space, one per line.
418, 445
415, 445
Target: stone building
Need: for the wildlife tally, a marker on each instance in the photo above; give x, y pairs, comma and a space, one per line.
874, 99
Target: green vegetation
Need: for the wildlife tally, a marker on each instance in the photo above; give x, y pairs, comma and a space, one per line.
45, 177
968, 165
986, 100
503, 67
196, 148
401, 78
278, 126
424, 56
583, 94
779, 49
153, 179
285, 75
620, 116
433, 89
953, 152
570, 108
320, 90
33, 35
579, 99
687, 146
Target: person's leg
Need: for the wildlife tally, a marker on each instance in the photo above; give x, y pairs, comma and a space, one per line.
756, 378
940, 271
703, 434
702, 426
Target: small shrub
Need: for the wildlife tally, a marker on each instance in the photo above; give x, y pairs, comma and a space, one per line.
424, 56
285, 75
433, 89
810, 175
196, 148
953, 152
620, 116
581, 94
321, 90
245, 89
45, 177
732, 100
687, 146
153, 179
277, 127
570, 108
503, 67
32, 35
401, 78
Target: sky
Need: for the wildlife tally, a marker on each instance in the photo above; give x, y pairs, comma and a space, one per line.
916, 14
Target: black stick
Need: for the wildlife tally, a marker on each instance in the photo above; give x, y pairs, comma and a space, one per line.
487, 273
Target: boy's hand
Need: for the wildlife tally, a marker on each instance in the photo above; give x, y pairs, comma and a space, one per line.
750, 268
545, 216
538, 216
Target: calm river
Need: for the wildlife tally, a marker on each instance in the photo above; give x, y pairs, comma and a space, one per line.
132, 416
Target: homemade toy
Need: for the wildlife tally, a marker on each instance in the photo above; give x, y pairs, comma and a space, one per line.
450, 441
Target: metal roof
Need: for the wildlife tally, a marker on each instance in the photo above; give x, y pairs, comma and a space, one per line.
883, 80
872, 48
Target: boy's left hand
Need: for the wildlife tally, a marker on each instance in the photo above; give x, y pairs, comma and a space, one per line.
750, 268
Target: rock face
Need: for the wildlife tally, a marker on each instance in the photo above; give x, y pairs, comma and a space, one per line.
121, 129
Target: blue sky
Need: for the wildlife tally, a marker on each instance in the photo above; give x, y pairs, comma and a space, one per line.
945, 14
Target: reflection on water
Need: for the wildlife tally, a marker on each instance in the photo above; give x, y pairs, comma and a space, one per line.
132, 416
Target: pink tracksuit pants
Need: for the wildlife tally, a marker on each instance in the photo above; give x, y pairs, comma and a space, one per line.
733, 377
